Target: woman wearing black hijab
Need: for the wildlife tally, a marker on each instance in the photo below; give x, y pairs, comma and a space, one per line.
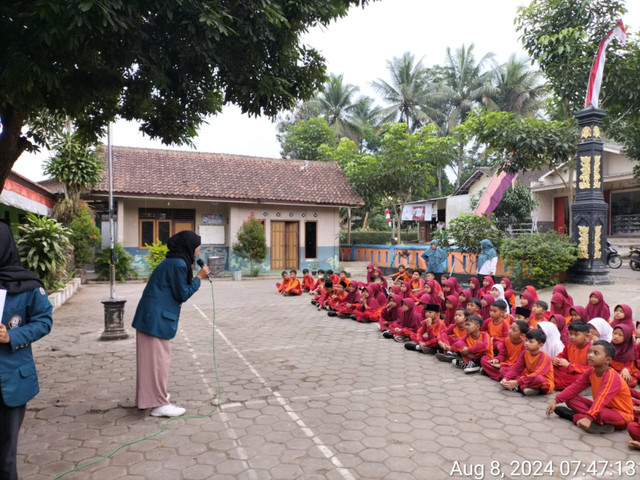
25, 314
156, 321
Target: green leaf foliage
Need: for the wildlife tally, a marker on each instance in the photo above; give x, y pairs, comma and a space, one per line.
124, 269
521, 143
45, 249
84, 236
252, 242
467, 230
303, 140
157, 253
539, 257
165, 63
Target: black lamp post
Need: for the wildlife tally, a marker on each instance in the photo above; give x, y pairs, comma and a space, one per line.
589, 211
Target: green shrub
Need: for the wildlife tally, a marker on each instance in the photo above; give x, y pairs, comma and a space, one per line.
252, 242
367, 238
157, 253
539, 257
45, 248
124, 269
84, 236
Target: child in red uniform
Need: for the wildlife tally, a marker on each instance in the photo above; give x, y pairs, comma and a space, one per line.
487, 283
426, 338
509, 294
624, 361
407, 325
526, 300
450, 306
307, 281
497, 325
317, 287
343, 277
350, 302
401, 273
486, 300
451, 335
578, 313
532, 374
597, 307
611, 408
509, 351
294, 287
473, 346
339, 294
284, 284
391, 313
333, 277
474, 287
417, 284
622, 314
571, 363
325, 296
539, 313
369, 310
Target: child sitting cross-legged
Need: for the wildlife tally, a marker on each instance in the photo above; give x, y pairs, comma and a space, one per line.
426, 338
319, 283
473, 346
611, 408
308, 282
569, 364
407, 324
451, 335
509, 351
532, 374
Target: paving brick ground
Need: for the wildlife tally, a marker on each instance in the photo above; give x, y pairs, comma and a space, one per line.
303, 396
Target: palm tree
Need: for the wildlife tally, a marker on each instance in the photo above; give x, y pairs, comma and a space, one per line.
409, 93
367, 121
464, 84
335, 103
519, 89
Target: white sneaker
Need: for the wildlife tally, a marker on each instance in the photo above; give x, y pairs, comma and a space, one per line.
167, 411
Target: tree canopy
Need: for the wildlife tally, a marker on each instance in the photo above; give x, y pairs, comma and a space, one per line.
165, 63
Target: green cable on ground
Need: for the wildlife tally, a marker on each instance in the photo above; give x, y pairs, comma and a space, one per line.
164, 426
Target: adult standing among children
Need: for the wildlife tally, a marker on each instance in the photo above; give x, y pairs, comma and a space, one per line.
25, 315
156, 321
488, 258
435, 258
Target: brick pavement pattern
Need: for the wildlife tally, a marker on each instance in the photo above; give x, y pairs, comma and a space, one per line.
303, 396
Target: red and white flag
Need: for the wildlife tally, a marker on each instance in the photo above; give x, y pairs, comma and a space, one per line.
387, 215
595, 78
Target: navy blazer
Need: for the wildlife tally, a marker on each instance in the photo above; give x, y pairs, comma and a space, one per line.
27, 317
159, 308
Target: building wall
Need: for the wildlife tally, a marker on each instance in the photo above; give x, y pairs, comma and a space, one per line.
457, 204
233, 216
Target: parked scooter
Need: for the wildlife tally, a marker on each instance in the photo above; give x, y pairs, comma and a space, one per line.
634, 258
614, 260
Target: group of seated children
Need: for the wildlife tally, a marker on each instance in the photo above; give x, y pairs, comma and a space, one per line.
528, 348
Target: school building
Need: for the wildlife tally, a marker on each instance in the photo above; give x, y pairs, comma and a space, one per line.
21, 196
160, 192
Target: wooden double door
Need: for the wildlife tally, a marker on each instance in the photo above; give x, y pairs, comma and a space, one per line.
285, 245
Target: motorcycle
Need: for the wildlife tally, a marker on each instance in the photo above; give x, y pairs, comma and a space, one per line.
614, 260
634, 258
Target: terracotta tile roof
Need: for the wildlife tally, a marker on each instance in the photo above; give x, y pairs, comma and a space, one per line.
197, 175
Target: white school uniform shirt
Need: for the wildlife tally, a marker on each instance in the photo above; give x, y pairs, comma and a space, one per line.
488, 267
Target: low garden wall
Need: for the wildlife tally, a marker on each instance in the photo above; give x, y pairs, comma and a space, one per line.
59, 297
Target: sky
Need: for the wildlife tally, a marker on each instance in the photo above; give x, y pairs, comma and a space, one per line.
358, 46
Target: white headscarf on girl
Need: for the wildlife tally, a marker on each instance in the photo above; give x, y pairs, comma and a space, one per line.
500, 289
553, 346
603, 327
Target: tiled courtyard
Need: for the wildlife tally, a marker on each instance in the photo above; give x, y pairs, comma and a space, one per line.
303, 396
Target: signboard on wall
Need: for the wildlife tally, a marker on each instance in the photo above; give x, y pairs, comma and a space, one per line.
417, 213
212, 234
211, 219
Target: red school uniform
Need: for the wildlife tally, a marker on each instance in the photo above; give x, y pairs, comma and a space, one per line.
452, 334
294, 287
429, 334
308, 283
498, 332
532, 371
577, 357
478, 347
508, 355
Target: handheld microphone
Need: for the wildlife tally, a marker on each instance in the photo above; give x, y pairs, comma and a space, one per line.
201, 264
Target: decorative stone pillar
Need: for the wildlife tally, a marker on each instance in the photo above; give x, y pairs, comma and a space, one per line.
589, 211
114, 319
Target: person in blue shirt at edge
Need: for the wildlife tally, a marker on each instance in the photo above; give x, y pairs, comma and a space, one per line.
156, 321
435, 257
26, 317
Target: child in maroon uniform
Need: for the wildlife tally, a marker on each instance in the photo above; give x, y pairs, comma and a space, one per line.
473, 346
426, 338
509, 351
407, 325
532, 374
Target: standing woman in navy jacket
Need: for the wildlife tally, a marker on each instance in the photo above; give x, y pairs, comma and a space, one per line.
26, 318
156, 321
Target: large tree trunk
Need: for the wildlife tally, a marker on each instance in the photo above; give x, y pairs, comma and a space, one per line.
12, 143
365, 221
